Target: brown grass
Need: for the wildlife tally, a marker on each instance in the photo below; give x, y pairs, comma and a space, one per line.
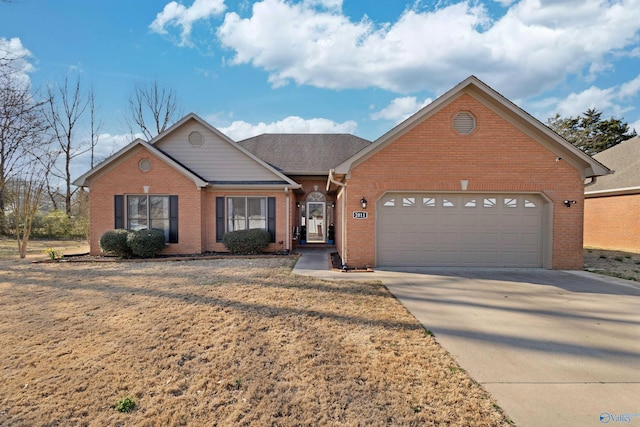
625, 265
219, 342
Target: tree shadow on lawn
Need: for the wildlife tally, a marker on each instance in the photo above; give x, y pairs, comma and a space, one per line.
117, 288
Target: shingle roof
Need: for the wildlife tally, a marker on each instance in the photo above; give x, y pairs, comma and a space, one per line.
304, 153
624, 159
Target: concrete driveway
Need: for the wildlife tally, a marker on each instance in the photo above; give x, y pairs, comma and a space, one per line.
554, 348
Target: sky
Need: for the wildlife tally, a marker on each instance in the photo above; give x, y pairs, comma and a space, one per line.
345, 66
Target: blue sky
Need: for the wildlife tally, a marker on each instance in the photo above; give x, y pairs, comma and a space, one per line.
355, 66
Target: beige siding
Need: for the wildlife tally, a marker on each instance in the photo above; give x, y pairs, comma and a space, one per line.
216, 159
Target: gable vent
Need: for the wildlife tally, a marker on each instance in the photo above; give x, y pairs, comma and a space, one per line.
464, 123
195, 138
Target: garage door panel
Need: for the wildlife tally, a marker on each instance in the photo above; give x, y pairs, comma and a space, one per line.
460, 230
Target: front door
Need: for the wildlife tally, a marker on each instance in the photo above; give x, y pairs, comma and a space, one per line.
316, 230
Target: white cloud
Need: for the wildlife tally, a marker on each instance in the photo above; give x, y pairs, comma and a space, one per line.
15, 60
239, 130
176, 14
400, 109
613, 101
529, 49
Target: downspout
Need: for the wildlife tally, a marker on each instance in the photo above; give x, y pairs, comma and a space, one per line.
344, 218
594, 179
287, 221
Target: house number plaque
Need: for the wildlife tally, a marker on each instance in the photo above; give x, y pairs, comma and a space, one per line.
360, 215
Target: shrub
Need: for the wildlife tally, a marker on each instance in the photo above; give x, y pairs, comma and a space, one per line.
145, 243
115, 242
246, 242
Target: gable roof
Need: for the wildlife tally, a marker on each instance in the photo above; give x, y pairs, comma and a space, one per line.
304, 154
500, 105
219, 159
85, 179
624, 158
263, 176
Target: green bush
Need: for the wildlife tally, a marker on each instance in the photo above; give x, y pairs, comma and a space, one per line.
246, 242
115, 242
146, 243
56, 224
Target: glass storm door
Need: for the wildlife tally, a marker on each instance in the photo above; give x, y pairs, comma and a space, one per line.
316, 230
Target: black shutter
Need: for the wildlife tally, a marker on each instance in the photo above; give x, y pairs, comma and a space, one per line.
271, 217
173, 219
219, 218
118, 211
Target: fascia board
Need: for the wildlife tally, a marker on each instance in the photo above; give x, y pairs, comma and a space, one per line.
612, 192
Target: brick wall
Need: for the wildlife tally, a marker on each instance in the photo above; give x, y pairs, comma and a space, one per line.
496, 157
613, 222
127, 179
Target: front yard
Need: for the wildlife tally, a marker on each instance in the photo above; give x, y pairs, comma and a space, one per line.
219, 342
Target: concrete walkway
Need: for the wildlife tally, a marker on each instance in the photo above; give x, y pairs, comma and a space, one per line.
554, 348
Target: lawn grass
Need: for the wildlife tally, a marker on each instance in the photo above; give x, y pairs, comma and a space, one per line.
219, 342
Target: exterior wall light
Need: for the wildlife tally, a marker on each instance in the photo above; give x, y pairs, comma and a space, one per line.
363, 202
297, 204
568, 203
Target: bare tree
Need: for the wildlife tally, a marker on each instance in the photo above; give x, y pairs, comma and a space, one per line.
152, 109
24, 200
96, 126
67, 105
22, 125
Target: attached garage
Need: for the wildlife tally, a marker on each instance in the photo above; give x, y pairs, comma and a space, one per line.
460, 229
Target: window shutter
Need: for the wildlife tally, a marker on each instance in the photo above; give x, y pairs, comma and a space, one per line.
271, 217
173, 219
118, 208
219, 218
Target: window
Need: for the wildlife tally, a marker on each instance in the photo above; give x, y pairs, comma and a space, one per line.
137, 212
510, 202
489, 202
408, 202
246, 213
428, 202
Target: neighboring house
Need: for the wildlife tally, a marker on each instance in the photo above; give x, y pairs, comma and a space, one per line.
469, 180
612, 203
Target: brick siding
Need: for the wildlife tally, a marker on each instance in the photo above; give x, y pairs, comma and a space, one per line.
495, 157
613, 222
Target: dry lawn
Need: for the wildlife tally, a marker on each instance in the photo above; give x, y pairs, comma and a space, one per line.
625, 265
219, 342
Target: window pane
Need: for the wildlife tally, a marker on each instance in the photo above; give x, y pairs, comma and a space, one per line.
162, 225
257, 212
489, 203
510, 203
136, 212
236, 213
159, 207
429, 201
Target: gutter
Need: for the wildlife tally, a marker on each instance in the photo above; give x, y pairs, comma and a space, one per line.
594, 179
343, 219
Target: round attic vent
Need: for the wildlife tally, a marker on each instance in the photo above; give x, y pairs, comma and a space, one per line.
464, 123
144, 165
195, 138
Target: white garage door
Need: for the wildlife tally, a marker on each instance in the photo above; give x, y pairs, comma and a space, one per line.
459, 230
